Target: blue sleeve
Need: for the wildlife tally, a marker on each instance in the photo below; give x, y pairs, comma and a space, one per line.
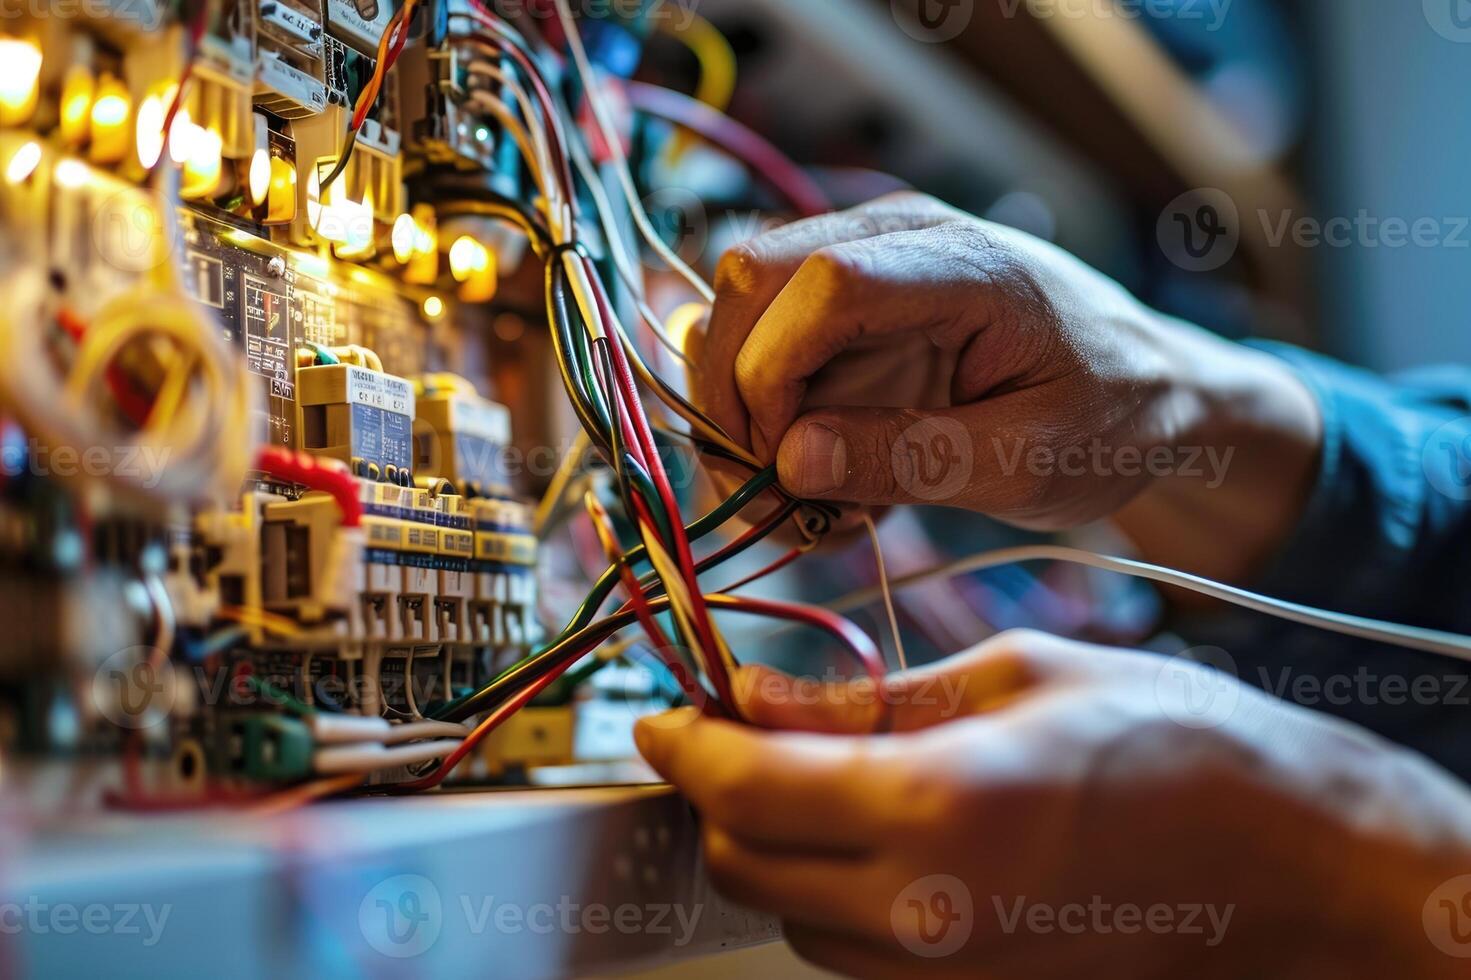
1386, 533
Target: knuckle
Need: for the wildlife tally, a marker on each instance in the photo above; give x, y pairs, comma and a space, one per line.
720, 856
981, 237
748, 370
904, 210
1017, 644
739, 269
834, 270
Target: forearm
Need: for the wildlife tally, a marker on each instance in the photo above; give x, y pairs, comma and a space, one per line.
1259, 426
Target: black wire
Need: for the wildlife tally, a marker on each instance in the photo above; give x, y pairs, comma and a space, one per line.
563, 340
351, 144
449, 189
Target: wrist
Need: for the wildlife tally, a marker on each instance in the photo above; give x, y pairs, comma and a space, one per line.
1252, 433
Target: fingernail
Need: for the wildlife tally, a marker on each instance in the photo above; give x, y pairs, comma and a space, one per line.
824, 462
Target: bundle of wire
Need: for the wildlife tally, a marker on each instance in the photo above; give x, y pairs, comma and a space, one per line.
601, 370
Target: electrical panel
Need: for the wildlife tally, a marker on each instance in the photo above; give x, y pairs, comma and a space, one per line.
291, 286
238, 462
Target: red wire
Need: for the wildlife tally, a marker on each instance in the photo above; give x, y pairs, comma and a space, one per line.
741, 142
308, 471
683, 554
771, 569
543, 95
854, 639
493, 721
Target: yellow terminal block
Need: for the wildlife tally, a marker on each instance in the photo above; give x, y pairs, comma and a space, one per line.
460, 436
364, 418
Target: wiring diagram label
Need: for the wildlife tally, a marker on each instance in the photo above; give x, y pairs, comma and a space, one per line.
268, 349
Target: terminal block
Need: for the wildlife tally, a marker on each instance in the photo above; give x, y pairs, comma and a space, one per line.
364, 418
461, 437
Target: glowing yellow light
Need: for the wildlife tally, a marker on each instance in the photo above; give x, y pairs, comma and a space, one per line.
23, 162
260, 176
682, 321
72, 174
346, 223
148, 131
76, 103
202, 169
109, 131
433, 307
467, 257
281, 202
184, 137
110, 110
423, 269
20, 70
405, 237
314, 198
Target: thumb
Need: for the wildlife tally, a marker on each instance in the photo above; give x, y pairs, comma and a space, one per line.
979, 680
879, 456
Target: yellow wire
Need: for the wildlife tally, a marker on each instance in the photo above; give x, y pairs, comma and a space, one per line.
560, 481
269, 621
717, 70
878, 557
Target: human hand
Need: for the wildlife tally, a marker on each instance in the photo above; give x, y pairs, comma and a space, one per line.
1044, 808
906, 352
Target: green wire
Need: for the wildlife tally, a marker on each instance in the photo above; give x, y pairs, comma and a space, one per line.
324, 354
608, 581
265, 689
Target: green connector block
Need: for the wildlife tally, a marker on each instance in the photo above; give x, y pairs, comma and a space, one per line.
270, 748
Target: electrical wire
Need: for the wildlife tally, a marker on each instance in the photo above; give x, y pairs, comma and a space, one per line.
532, 676
369, 757
1436, 642
592, 92
883, 570
194, 448
390, 46
745, 144
717, 60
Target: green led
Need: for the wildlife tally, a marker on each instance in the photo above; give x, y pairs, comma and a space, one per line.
482, 134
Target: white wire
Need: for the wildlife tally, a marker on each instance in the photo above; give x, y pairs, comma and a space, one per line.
538, 134
620, 160
366, 758
878, 558
621, 260
1438, 642
415, 730
369, 730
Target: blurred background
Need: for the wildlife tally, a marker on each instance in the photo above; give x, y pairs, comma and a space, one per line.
1084, 120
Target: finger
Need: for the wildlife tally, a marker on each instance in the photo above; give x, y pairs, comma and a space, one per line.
922, 283
754, 273
778, 788
978, 680
818, 889
970, 456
